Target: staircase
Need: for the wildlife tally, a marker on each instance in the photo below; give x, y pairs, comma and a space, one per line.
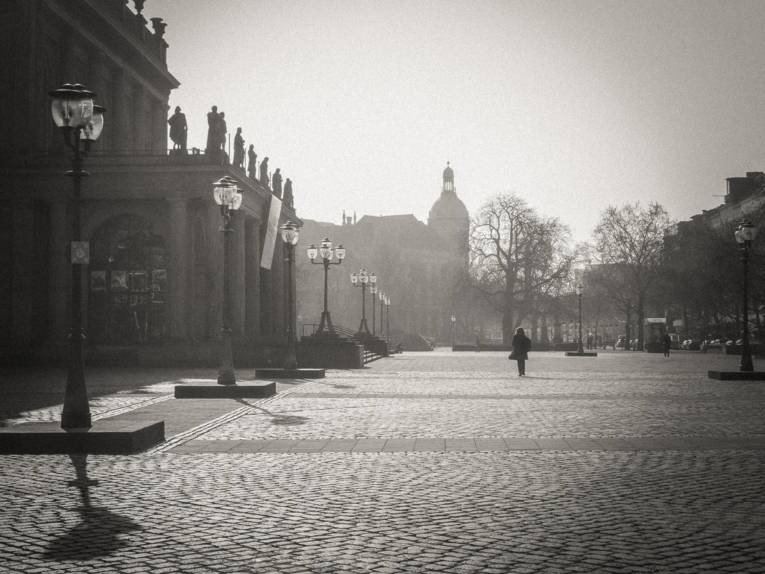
369, 354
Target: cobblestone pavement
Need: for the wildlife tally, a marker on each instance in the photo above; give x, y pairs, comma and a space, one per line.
570, 503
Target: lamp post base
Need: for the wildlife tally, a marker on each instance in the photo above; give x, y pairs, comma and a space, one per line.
287, 373
737, 375
226, 377
211, 390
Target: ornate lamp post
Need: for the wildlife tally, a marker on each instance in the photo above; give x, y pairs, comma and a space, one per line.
381, 296
362, 279
373, 292
745, 234
453, 321
326, 251
227, 195
81, 123
387, 318
290, 236
579, 295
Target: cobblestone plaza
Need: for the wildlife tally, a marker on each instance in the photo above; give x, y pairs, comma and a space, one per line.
430, 462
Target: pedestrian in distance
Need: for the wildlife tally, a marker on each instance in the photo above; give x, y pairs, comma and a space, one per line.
521, 347
666, 342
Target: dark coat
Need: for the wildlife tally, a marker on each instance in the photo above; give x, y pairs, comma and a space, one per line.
521, 346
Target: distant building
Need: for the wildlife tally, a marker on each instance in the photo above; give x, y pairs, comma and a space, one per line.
745, 196
154, 281
420, 266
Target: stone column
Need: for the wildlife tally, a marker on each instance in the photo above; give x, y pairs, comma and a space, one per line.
23, 273
121, 130
159, 129
266, 294
139, 119
252, 279
178, 269
59, 273
215, 267
279, 293
238, 284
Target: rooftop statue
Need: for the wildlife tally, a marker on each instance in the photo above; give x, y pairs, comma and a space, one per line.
239, 149
276, 183
178, 129
264, 171
213, 119
288, 199
252, 168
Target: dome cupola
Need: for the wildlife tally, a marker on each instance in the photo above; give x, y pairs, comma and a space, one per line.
448, 179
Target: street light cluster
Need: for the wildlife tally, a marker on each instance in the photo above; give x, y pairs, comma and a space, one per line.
328, 255
364, 278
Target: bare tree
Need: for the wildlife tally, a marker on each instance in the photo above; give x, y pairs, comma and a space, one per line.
517, 257
630, 239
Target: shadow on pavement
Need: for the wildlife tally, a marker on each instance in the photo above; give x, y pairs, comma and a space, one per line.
97, 533
28, 388
276, 418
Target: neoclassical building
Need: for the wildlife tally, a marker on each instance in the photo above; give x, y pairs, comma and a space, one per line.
419, 265
154, 282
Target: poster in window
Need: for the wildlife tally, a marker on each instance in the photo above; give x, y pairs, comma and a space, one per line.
119, 281
159, 280
98, 280
138, 281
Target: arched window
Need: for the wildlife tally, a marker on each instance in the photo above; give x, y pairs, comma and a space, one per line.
128, 283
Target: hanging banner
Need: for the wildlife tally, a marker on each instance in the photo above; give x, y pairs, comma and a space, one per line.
272, 231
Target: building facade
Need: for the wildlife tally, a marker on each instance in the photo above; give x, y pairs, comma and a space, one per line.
154, 281
419, 266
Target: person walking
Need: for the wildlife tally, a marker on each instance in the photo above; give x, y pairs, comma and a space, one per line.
521, 347
666, 343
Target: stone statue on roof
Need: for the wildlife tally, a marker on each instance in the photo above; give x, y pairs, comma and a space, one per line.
276, 182
252, 168
239, 149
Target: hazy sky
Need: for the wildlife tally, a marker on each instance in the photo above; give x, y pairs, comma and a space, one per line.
572, 104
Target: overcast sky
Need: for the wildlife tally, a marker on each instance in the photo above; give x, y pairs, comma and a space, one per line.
572, 104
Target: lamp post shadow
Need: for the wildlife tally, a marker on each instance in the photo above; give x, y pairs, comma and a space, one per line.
98, 532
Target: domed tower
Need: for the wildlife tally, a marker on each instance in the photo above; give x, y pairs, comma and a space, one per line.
449, 216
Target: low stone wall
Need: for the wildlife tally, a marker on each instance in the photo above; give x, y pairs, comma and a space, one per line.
330, 353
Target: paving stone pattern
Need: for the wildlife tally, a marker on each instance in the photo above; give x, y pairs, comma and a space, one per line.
442, 463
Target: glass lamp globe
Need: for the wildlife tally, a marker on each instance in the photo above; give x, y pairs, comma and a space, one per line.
72, 106
340, 252
746, 232
223, 190
290, 233
325, 250
312, 252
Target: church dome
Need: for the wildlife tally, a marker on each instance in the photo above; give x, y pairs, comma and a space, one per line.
448, 206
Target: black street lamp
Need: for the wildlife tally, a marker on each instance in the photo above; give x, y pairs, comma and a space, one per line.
381, 296
290, 235
362, 279
745, 234
229, 197
387, 318
373, 292
326, 251
580, 349
80, 122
